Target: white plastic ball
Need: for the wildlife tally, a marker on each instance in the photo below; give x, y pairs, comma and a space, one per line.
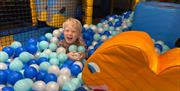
37, 54
48, 36
1, 86
79, 63
60, 50
47, 51
35, 66
56, 33
54, 40
53, 69
104, 37
160, 42
93, 27
39, 86
3, 66
62, 79
16, 44
65, 71
94, 43
106, 25
90, 47
86, 26
110, 18
61, 30
100, 30
52, 86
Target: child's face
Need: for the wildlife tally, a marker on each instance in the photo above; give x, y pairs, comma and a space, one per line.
70, 34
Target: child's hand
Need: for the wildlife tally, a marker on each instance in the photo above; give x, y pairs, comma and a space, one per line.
75, 55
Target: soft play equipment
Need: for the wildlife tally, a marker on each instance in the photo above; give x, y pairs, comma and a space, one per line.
41, 8
128, 61
160, 20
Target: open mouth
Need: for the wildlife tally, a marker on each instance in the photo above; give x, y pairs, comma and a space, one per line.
69, 38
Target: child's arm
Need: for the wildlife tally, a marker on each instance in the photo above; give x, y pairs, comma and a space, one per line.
77, 56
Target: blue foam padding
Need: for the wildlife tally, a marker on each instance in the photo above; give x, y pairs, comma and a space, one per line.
160, 20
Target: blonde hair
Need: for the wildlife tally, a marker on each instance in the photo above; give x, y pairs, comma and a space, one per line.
74, 23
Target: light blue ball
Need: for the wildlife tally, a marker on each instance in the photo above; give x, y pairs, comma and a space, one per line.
23, 85
53, 55
54, 61
48, 36
16, 44
43, 45
81, 49
111, 28
113, 33
44, 55
97, 37
3, 56
44, 66
76, 82
25, 57
72, 48
99, 24
52, 46
68, 86
165, 48
62, 57
16, 65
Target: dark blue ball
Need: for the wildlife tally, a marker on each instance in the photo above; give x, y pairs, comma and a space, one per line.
61, 37
159, 47
19, 50
86, 35
110, 23
41, 75
90, 52
32, 41
75, 70
13, 77
102, 20
50, 77
64, 65
107, 33
117, 24
90, 32
42, 59
69, 62
9, 50
31, 48
7, 89
96, 46
30, 72
83, 30
32, 61
88, 43
81, 89
43, 38
3, 77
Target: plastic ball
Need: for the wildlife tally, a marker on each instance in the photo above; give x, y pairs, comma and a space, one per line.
100, 30
52, 46
110, 23
16, 65
99, 25
32, 41
3, 66
79, 64
159, 42
107, 33
61, 50
65, 71
35, 66
52, 86
41, 75
104, 37
165, 48
79, 76
9, 50
3, 76
48, 36
159, 47
76, 81
75, 69
19, 50
61, 37
61, 30
31, 48
93, 27
39, 86
24, 57
86, 36
53, 69
23, 85
62, 79
72, 48
50, 77
90, 47
42, 38
13, 77
113, 33
54, 61
16, 44
44, 55
32, 61
81, 49
43, 45
53, 55
42, 59
30, 72
47, 51
56, 33
7, 89
68, 86
117, 24
3, 56
86, 26
91, 51
69, 62
62, 57
1, 86
44, 66
54, 40
111, 28
96, 37
88, 43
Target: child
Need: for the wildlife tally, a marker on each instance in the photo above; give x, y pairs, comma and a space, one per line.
72, 35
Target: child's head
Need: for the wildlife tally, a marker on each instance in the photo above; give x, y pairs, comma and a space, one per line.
72, 30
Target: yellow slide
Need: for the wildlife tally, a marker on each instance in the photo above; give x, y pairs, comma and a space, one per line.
128, 62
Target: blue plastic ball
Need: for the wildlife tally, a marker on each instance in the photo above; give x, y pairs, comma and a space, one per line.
31, 48
64, 65
110, 23
9, 50
32, 41
88, 43
117, 24
41, 75
3, 77
42, 59
159, 47
86, 36
30, 72
18, 51
32, 61
50, 77
13, 77
107, 33
7, 89
43, 38
69, 62
91, 51
75, 69
3, 56
90, 32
